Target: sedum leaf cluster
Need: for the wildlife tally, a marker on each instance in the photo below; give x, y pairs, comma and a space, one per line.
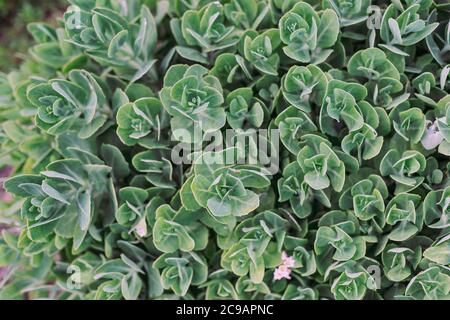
104, 202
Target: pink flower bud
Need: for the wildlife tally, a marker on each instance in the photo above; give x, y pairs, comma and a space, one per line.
432, 136
141, 228
287, 260
282, 272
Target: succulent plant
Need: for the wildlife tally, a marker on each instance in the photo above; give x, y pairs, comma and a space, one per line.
257, 149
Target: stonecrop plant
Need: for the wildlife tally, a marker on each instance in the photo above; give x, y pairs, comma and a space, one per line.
232, 149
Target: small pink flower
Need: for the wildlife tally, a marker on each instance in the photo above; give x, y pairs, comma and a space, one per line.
287, 260
282, 272
141, 228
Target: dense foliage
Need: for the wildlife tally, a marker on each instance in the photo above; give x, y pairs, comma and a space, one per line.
14, 17
100, 209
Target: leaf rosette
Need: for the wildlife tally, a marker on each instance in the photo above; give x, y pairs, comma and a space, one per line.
302, 198
225, 189
424, 86
244, 110
293, 125
436, 208
63, 201
304, 258
113, 40
349, 12
308, 35
353, 282
430, 284
403, 29
231, 69
219, 286
338, 239
246, 14
132, 212
400, 262
406, 169
404, 215
382, 76
364, 143
303, 86
321, 166
78, 104
206, 28
247, 289
261, 51
409, 123
367, 142
179, 230
181, 270
253, 252
119, 278
142, 122
343, 105
438, 252
158, 169
194, 101
366, 198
